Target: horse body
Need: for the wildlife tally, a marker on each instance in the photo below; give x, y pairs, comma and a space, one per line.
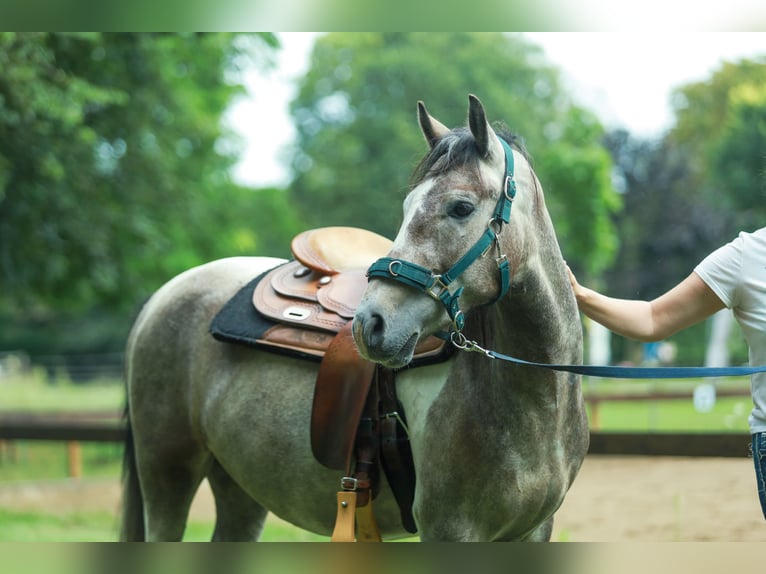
495, 445
201, 408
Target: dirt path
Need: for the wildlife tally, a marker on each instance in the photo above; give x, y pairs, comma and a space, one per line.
662, 499
613, 499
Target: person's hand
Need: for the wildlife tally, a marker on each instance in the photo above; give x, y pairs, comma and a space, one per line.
576, 287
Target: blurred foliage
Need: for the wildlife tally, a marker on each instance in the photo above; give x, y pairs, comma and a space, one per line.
663, 230
113, 162
721, 123
358, 137
663, 233
576, 171
690, 192
114, 165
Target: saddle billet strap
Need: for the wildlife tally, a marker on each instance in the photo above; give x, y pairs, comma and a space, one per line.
364, 478
395, 450
363, 483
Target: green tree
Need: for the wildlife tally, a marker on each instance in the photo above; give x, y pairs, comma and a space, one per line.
577, 173
721, 123
739, 156
113, 160
664, 231
358, 139
691, 191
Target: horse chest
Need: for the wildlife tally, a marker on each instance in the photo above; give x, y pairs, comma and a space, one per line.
417, 390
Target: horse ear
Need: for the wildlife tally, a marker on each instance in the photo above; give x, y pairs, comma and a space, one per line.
482, 132
432, 128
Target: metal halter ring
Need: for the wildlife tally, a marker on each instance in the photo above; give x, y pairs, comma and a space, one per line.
458, 322
437, 289
458, 339
391, 268
507, 186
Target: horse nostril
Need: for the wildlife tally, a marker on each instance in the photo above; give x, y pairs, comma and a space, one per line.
373, 329
376, 324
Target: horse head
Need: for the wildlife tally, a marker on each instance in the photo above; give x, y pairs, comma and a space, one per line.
457, 242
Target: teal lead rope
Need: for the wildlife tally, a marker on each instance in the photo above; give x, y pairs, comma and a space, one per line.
607, 371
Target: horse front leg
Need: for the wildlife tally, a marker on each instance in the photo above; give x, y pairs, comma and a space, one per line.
239, 518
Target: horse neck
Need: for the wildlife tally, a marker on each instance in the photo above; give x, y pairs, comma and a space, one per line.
534, 322
538, 319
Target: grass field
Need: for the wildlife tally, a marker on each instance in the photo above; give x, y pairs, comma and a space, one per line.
16, 526
729, 414
32, 460
36, 392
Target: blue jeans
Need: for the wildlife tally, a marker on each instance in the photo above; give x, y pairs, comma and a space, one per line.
759, 457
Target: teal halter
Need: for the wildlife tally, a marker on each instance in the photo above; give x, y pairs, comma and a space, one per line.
437, 285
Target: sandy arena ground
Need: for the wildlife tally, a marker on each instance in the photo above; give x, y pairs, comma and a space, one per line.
614, 499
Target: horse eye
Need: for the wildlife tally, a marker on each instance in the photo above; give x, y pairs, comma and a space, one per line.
461, 209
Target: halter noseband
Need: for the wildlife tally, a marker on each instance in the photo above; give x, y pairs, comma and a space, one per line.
437, 285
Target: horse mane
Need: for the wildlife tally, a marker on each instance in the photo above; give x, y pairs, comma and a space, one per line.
457, 149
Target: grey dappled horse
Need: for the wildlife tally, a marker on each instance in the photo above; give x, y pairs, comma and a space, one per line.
496, 446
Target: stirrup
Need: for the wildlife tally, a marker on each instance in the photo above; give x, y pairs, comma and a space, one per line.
349, 517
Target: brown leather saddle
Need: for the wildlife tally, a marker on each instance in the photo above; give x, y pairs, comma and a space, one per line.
355, 414
312, 299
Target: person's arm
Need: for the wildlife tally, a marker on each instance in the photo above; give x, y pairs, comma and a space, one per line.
684, 305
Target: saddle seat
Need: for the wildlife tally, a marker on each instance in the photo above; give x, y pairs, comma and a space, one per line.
312, 298
333, 250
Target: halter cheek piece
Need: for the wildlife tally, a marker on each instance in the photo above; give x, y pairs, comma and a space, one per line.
437, 285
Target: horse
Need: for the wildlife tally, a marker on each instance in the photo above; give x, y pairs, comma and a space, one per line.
495, 445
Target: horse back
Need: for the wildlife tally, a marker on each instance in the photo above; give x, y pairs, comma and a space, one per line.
169, 339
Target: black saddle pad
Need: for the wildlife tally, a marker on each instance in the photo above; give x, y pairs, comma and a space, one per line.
239, 321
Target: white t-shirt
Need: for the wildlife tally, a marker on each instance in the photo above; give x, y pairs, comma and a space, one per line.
736, 273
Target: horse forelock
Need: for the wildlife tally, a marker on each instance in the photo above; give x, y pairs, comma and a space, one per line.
456, 150
455, 160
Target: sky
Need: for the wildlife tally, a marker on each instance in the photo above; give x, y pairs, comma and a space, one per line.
625, 77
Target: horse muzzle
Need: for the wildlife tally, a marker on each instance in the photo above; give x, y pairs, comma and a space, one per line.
380, 341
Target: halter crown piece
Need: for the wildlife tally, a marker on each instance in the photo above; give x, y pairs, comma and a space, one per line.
437, 285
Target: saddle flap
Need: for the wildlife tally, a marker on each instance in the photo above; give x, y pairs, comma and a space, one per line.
331, 250
341, 390
293, 311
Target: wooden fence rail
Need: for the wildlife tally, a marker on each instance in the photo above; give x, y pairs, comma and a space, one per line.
72, 428
726, 445
76, 427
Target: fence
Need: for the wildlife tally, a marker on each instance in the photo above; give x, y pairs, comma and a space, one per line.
76, 427
72, 428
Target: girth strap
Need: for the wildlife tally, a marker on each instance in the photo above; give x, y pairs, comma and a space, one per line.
396, 454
